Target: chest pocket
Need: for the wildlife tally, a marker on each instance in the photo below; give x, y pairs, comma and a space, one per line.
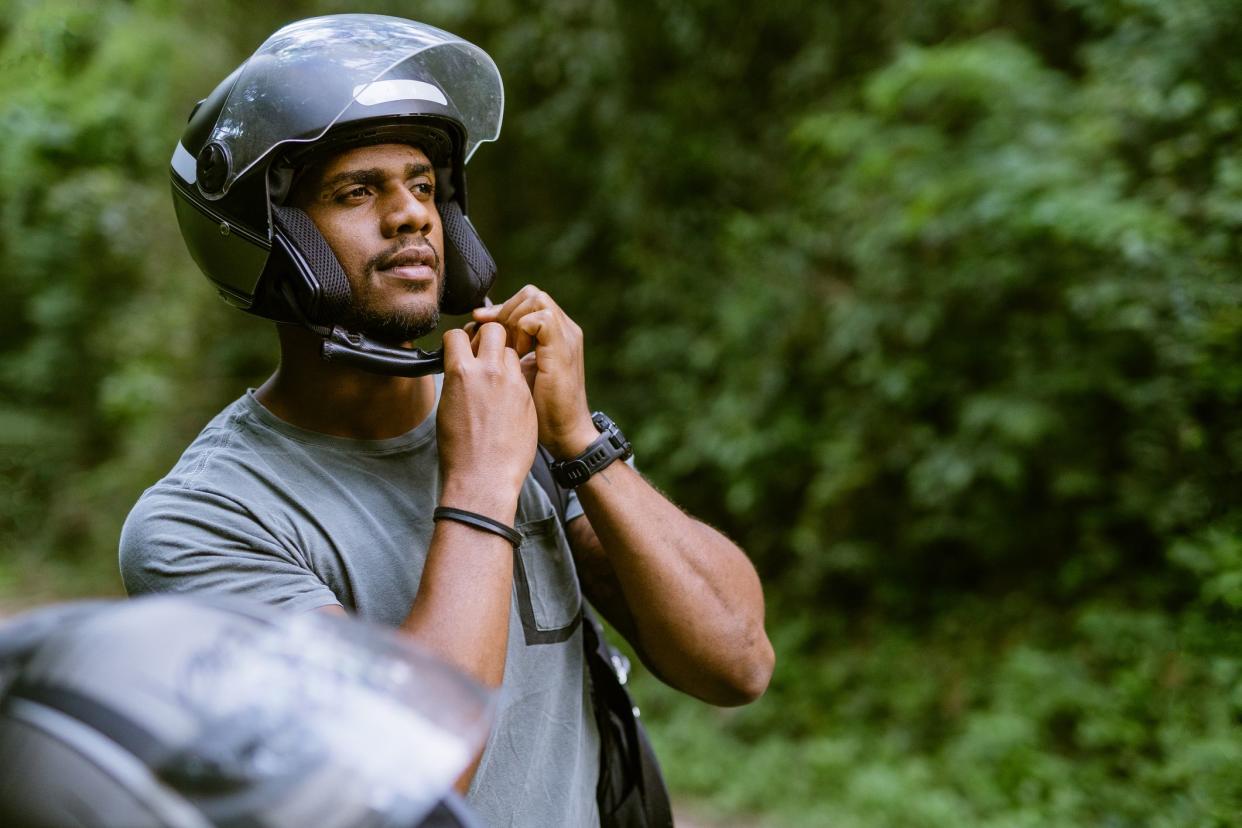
545, 582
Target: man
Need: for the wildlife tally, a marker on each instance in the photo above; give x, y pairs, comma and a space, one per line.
354, 480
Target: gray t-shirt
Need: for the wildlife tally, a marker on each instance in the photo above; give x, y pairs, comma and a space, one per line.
261, 508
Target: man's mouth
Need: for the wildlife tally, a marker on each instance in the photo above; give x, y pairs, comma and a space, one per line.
413, 263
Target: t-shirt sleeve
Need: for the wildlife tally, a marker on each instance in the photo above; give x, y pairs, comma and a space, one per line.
184, 540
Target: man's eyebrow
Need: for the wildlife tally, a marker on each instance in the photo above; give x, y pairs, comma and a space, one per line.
373, 176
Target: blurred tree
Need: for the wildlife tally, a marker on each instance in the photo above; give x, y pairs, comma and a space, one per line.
109, 358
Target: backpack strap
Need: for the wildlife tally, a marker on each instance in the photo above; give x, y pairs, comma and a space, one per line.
542, 470
631, 792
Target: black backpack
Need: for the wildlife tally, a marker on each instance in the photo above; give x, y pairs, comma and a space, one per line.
631, 792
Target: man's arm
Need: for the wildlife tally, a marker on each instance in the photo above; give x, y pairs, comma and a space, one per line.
685, 596
690, 596
485, 428
486, 431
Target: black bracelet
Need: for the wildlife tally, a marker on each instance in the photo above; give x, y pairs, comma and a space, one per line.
478, 521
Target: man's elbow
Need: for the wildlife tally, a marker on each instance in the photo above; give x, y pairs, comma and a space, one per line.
759, 674
748, 680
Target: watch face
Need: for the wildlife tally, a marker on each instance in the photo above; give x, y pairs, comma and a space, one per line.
577, 471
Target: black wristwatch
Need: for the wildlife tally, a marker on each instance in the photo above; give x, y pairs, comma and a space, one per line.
610, 445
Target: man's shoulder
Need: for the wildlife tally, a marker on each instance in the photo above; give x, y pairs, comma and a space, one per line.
208, 502
205, 478
227, 445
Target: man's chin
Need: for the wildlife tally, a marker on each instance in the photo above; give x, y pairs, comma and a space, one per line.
396, 329
399, 336
399, 317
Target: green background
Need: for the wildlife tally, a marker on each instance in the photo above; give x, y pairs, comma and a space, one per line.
932, 305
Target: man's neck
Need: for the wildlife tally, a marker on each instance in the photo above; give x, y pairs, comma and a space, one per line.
334, 399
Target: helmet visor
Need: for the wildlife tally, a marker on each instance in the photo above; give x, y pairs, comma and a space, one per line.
313, 695
256, 716
305, 77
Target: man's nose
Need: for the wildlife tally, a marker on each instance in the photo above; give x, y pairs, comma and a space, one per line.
404, 213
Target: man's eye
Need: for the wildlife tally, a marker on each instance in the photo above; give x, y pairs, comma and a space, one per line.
424, 188
354, 193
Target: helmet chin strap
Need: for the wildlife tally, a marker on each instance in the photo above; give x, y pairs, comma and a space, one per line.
358, 351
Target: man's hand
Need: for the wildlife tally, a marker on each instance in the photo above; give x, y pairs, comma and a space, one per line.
486, 424
550, 346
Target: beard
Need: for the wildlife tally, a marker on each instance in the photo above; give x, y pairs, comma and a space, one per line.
379, 318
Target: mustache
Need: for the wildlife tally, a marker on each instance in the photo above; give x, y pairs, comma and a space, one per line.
384, 259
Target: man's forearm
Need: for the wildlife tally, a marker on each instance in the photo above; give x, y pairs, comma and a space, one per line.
461, 610
695, 599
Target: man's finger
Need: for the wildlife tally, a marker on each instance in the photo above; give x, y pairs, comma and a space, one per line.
532, 299
512, 361
521, 340
538, 325
456, 348
530, 367
528, 305
534, 302
491, 339
503, 312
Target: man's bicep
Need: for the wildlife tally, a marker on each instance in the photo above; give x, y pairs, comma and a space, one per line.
189, 541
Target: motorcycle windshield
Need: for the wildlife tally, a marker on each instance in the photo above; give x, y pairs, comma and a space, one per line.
305, 76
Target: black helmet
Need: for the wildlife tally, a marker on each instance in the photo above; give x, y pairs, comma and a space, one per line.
328, 83
185, 712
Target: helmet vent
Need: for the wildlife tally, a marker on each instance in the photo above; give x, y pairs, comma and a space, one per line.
212, 168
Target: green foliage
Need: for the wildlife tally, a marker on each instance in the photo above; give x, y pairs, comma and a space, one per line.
933, 306
977, 318
995, 716
99, 362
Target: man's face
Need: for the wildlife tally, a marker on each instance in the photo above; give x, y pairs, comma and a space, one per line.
376, 208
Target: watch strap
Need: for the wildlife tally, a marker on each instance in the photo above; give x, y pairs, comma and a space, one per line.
610, 445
